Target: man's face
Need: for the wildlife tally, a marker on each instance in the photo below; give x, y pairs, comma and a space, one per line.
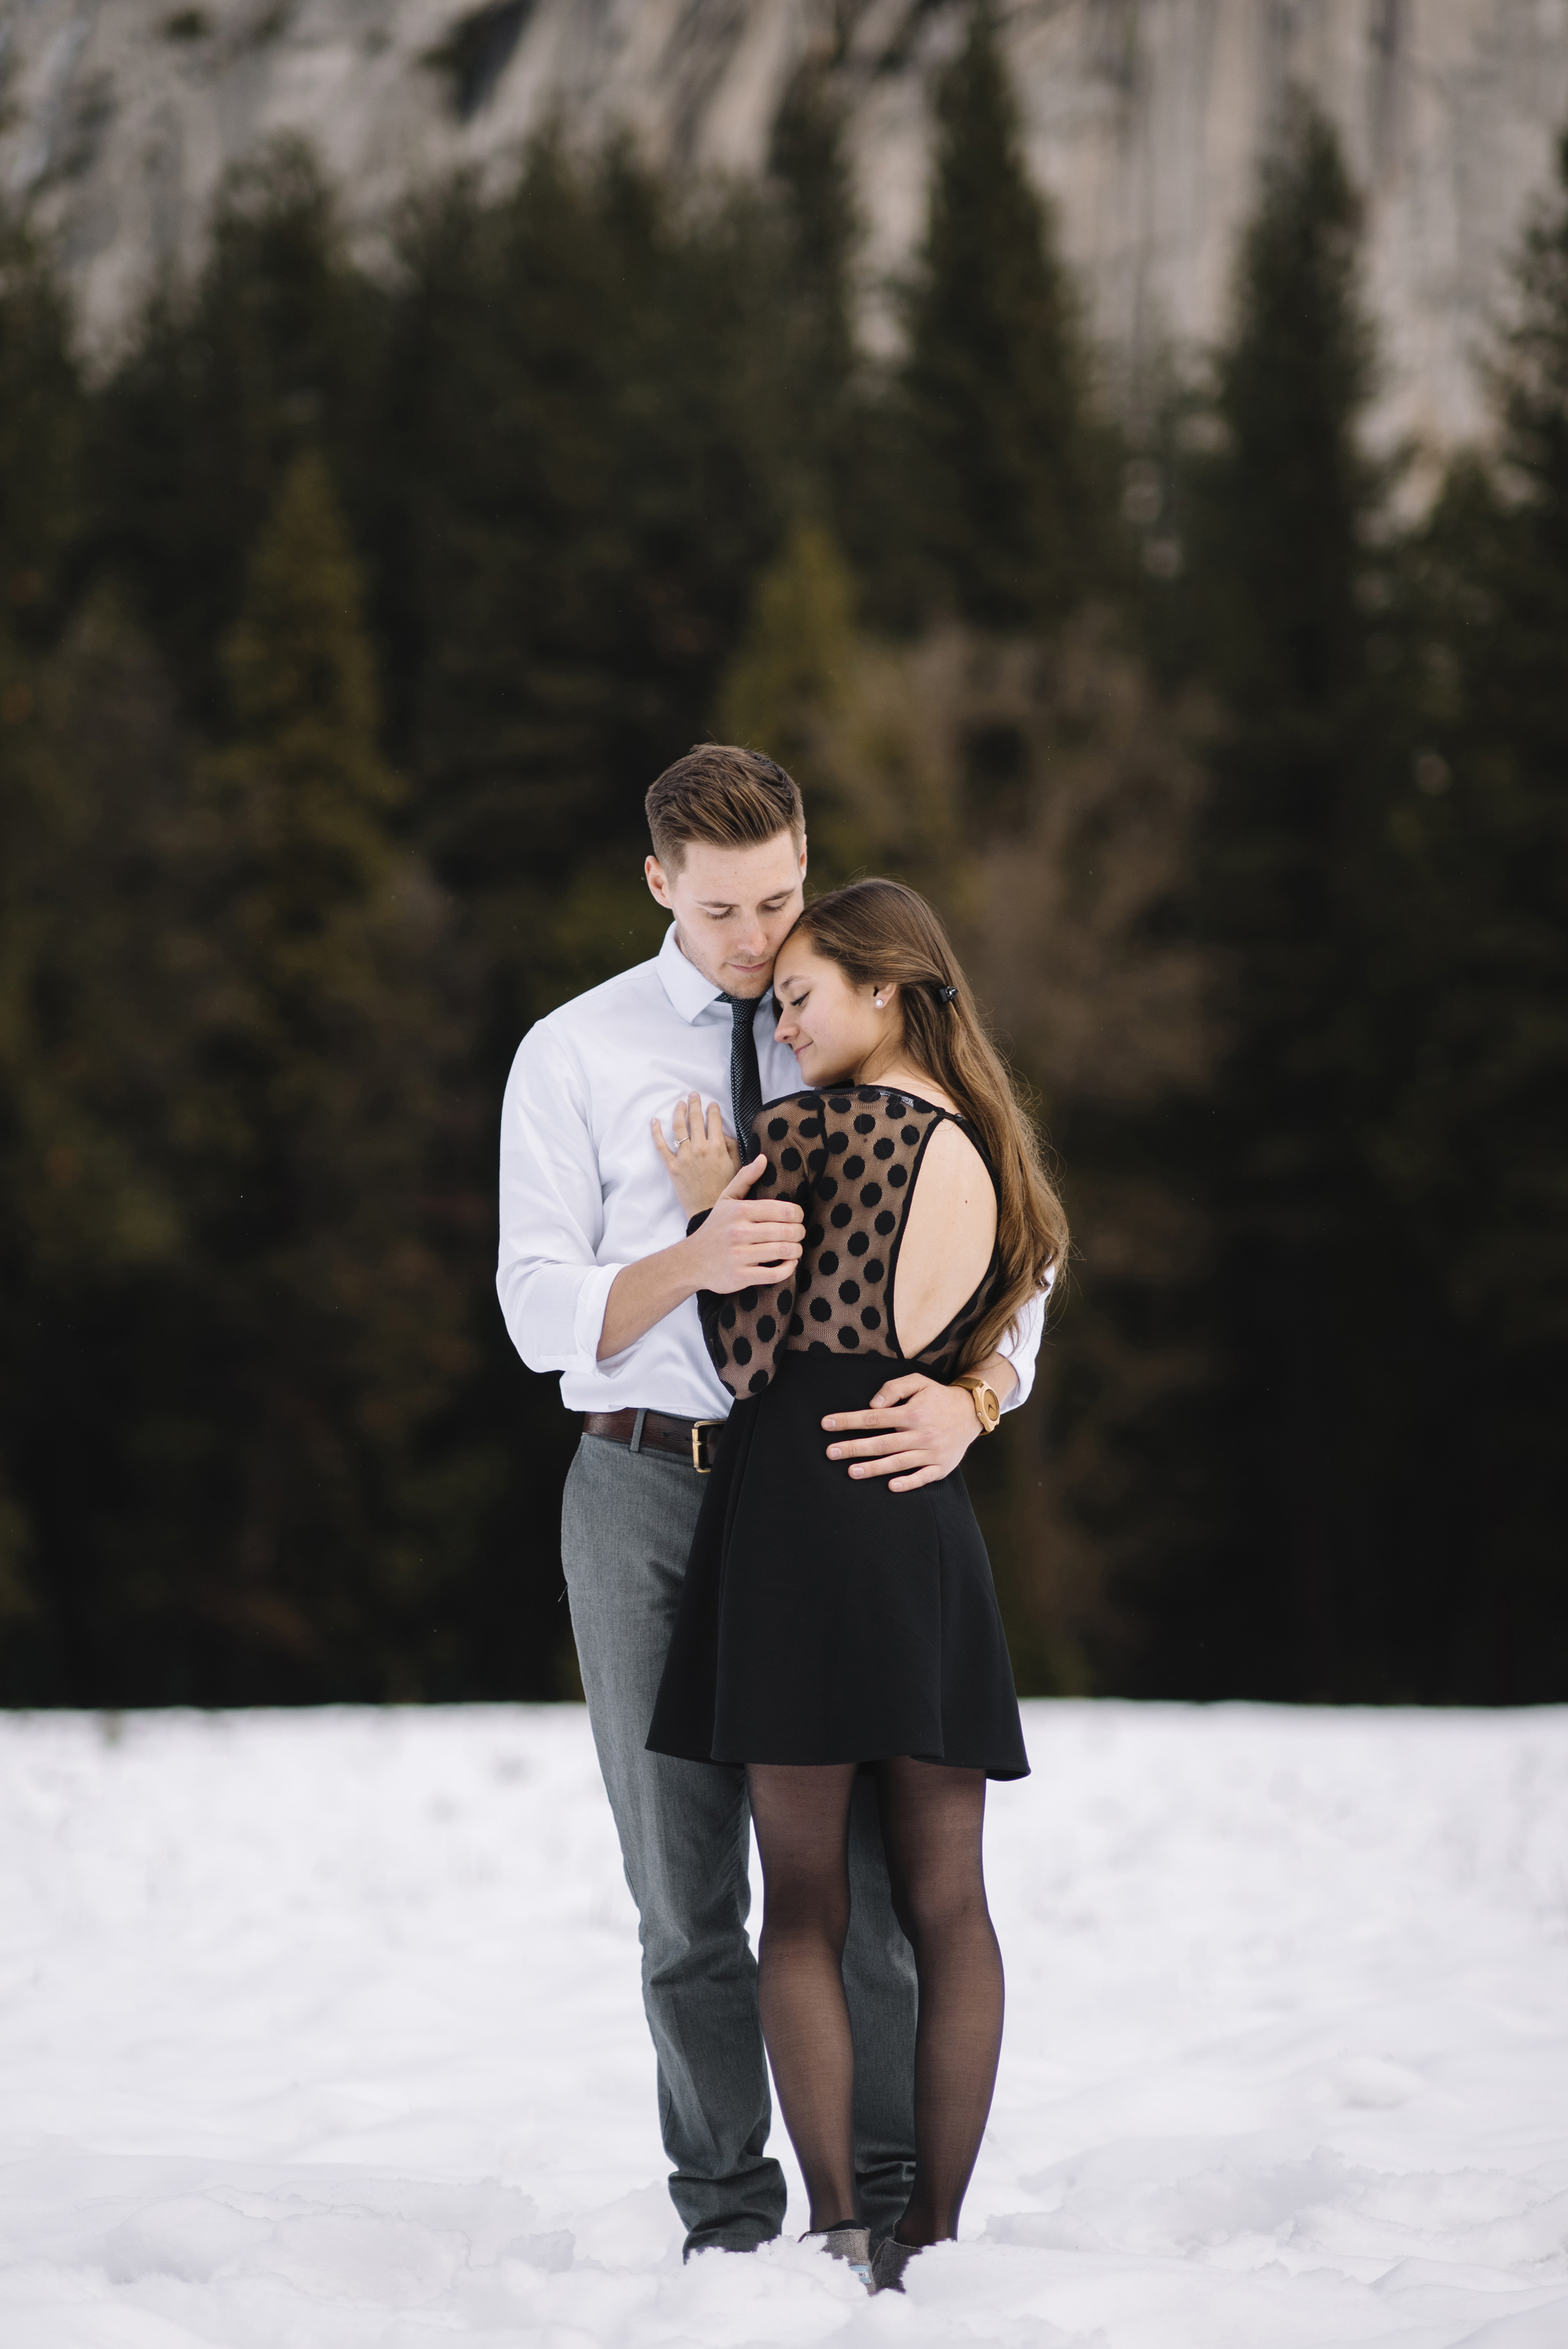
734, 907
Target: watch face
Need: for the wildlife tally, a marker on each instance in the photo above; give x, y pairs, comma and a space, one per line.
988, 1404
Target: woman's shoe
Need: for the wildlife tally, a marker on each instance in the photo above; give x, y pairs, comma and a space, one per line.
892, 2258
850, 2243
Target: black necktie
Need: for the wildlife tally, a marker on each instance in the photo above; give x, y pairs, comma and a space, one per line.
745, 1077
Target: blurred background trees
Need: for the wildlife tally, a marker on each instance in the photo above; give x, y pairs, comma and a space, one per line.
341, 629
1302, 1306
1004, 502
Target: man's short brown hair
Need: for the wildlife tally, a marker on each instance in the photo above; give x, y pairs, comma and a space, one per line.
735, 797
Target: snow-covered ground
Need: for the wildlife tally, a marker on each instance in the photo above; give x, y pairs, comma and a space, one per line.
322, 2029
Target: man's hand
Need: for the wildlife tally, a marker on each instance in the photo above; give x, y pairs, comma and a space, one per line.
932, 1427
747, 1243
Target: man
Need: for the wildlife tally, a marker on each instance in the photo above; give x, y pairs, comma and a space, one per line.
598, 1281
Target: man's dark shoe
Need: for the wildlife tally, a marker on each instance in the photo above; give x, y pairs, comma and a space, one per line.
724, 2243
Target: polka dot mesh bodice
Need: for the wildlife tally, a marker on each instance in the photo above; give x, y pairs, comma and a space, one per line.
849, 1160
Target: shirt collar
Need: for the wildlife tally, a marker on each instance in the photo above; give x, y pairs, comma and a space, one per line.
683, 982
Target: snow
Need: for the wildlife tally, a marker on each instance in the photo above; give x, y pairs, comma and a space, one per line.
322, 2029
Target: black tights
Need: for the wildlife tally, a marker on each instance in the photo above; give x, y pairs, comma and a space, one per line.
931, 1818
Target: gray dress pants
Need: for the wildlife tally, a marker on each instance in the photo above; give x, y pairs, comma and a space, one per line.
626, 1527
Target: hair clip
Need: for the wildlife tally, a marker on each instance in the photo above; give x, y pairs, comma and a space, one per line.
946, 994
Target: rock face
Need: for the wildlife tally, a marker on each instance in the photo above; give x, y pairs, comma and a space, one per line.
1147, 120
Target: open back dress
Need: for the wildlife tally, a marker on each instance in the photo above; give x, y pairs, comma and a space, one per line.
825, 1619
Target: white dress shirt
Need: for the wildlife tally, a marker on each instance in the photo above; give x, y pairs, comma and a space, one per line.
584, 1193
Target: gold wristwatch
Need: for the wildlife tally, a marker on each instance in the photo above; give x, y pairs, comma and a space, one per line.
986, 1401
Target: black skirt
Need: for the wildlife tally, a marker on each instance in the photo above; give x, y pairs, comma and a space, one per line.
826, 1618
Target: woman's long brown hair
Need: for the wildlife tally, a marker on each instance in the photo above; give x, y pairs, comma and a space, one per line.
879, 932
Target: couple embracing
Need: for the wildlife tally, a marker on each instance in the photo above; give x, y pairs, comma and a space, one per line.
783, 1339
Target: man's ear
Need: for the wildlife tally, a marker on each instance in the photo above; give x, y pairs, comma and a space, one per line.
802, 856
654, 873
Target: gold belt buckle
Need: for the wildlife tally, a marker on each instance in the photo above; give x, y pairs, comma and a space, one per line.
696, 1428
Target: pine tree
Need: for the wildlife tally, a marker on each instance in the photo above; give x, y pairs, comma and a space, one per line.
101, 1272
807, 161
1002, 480
316, 1127
595, 433
787, 688
1285, 1594
1474, 1136
850, 719
96, 1038
813, 338
273, 348
40, 417
1512, 833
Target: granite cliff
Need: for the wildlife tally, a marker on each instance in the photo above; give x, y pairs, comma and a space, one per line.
1147, 120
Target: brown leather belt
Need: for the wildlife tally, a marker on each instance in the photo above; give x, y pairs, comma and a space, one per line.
656, 1431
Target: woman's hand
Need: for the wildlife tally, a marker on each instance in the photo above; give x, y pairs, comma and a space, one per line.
747, 1243
704, 1160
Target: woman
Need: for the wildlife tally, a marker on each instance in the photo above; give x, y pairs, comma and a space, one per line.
832, 1620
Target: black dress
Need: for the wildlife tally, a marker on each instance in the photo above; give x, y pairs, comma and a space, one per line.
824, 1618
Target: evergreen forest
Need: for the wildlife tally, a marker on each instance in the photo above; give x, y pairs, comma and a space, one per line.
345, 615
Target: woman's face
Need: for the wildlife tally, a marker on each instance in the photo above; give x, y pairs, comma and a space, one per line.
831, 1026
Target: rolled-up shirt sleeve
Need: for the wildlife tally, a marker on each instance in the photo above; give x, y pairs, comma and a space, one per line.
1021, 1347
551, 1287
